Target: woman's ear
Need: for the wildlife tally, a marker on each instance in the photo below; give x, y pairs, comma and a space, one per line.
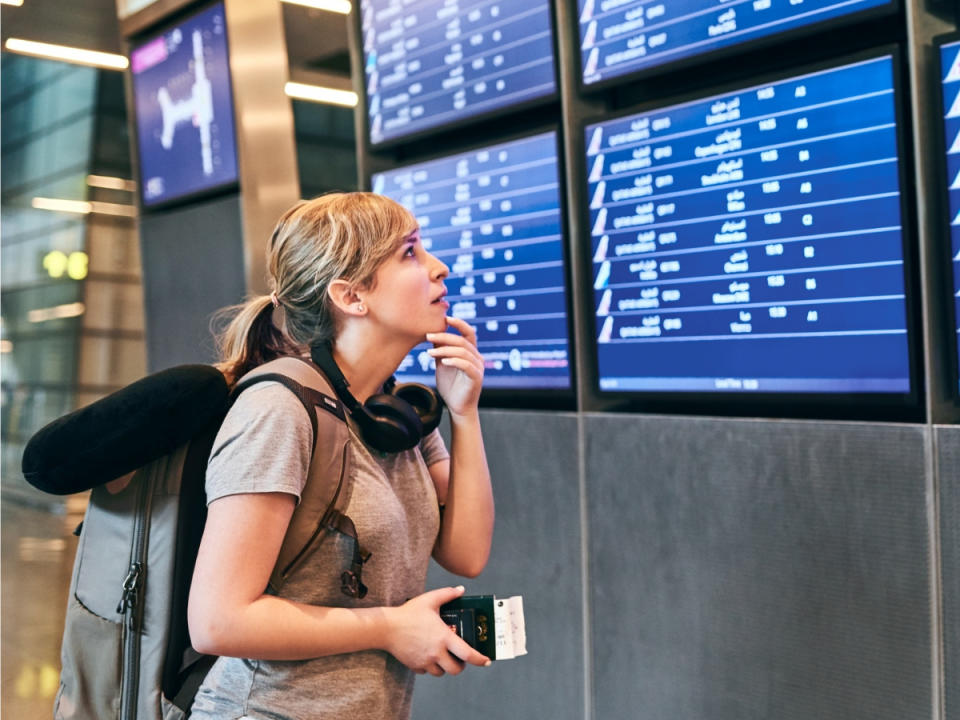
345, 299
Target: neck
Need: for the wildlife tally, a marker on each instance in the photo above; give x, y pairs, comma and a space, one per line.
365, 361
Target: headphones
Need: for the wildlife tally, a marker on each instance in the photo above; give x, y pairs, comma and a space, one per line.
394, 420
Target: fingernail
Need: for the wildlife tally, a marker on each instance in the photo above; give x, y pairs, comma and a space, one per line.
488, 663
460, 588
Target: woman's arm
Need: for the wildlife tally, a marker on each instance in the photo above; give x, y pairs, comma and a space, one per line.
230, 614
463, 482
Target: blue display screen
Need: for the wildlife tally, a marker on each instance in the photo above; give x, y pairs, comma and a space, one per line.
753, 241
185, 130
429, 63
950, 68
493, 216
618, 37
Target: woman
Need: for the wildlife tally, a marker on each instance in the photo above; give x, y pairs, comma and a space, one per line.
347, 269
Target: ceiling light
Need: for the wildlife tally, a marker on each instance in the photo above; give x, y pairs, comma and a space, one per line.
337, 6
315, 93
56, 313
111, 183
79, 207
82, 207
15, 3
67, 54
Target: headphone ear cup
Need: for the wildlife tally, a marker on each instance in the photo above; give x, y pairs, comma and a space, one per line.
425, 401
392, 424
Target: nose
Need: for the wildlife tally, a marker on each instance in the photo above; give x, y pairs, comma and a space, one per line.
439, 269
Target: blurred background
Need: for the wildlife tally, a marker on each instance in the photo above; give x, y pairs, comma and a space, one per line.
72, 298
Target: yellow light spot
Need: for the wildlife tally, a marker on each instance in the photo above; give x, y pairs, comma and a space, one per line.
25, 685
77, 265
49, 680
55, 263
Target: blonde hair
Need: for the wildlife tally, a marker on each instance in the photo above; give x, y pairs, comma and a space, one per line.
336, 236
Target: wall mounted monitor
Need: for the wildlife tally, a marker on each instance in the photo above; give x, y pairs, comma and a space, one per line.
753, 242
950, 77
429, 64
493, 215
637, 37
184, 109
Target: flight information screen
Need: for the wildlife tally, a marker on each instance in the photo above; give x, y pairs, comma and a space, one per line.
618, 37
184, 107
752, 241
493, 216
950, 66
429, 63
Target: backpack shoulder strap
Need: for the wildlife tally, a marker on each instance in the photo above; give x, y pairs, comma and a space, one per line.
329, 464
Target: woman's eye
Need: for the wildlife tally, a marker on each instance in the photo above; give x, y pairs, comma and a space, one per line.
411, 251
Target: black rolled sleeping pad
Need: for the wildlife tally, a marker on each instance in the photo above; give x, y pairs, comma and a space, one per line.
124, 430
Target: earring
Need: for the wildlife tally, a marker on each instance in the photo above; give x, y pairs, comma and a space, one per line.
361, 308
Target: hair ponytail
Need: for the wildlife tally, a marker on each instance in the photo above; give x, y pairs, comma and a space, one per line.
250, 339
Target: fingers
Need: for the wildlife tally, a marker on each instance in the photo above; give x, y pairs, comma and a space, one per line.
469, 361
466, 654
465, 328
467, 336
451, 664
441, 596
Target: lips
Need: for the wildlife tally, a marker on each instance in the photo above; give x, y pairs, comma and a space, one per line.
440, 298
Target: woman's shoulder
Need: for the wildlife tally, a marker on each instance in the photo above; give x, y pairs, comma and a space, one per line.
266, 415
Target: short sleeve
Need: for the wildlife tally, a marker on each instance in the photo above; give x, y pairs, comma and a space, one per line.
433, 449
264, 445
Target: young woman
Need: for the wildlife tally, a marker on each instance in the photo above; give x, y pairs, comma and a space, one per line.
347, 269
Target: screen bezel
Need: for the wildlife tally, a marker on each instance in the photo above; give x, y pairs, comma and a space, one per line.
721, 53
950, 318
211, 191
905, 407
557, 398
459, 123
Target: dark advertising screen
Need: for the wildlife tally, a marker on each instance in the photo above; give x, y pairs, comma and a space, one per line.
431, 63
619, 37
752, 241
493, 216
184, 109
950, 68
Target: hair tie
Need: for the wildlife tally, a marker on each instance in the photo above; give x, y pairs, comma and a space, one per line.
274, 299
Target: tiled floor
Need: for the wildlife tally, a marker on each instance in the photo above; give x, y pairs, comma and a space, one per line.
38, 548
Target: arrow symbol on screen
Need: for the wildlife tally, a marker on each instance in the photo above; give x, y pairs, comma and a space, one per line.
955, 108
954, 74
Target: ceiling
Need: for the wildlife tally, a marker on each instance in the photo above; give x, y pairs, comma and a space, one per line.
316, 40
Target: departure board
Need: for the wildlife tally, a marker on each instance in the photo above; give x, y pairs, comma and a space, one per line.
493, 216
432, 63
619, 37
752, 241
184, 109
950, 68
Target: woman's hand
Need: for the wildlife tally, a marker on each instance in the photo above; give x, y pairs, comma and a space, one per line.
459, 366
423, 642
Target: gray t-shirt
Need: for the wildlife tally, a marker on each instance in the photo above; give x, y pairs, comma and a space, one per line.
264, 445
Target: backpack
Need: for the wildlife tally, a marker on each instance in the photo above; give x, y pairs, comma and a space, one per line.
126, 650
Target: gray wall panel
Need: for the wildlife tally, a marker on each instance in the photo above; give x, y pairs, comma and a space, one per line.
948, 464
192, 266
744, 569
537, 554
